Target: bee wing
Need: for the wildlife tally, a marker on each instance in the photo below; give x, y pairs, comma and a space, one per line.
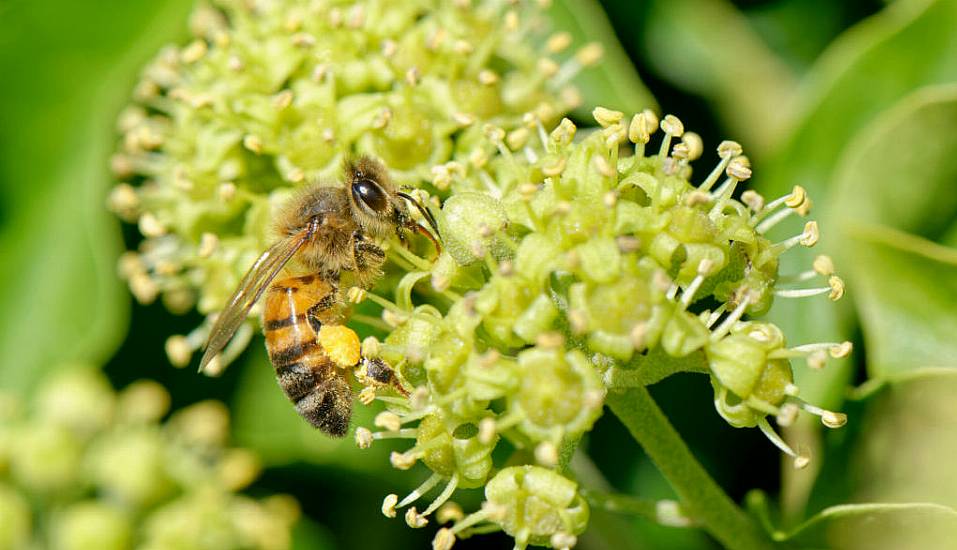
254, 283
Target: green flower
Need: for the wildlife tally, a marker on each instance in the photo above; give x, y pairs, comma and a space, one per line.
95, 469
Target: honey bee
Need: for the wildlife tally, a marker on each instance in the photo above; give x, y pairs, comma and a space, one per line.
328, 230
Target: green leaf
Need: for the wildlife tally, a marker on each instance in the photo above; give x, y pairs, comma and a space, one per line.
898, 447
68, 69
870, 67
709, 47
895, 195
867, 525
613, 82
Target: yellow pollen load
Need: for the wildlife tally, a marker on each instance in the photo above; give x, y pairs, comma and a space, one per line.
341, 344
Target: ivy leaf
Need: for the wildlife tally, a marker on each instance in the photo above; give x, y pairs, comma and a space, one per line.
870, 67
709, 47
866, 525
58, 289
613, 82
894, 190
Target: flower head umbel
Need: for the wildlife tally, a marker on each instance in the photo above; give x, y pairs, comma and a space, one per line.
573, 263
84, 467
572, 269
271, 96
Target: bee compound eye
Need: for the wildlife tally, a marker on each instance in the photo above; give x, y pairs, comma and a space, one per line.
370, 194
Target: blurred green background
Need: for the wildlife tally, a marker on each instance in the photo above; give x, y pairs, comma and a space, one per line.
856, 101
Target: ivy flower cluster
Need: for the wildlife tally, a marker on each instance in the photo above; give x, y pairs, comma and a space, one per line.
83, 467
273, 95
573, 268
574, 263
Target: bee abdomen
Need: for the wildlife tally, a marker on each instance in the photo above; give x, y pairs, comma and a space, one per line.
328, 407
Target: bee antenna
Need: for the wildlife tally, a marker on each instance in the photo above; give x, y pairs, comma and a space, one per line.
427, 214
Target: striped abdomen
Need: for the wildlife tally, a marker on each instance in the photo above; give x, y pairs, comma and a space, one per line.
295, 309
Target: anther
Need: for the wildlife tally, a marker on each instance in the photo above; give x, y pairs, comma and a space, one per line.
388, 505
415, 520
546, 454
363, 438
606, 117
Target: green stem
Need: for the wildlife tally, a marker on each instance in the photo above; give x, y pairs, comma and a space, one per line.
700, 496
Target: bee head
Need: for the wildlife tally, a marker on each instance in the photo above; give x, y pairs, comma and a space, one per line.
377, 207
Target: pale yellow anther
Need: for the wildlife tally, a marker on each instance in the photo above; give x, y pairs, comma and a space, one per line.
571, 97
388, 420
797, 197
296, 174
680, 151
371, 347
550, 340
226, 191
356, 17
335, 18
841, 350
412, 76
837, 288
563, 541
487, 77
419, 398
478, 158
833, 420
558, 42
124, 201
628, 244
463, 119
462, 47
705, 266
610, 199
801, 462
638, 336
739, 168
823, 265
606, 117
178, 350
728, 149
194, 51
511, 21
438, 37
450, 511
672, 126
486, 430
545, 111
303, 40
356, 295
553, 166
695, 145
320, 72
548, 67
388, 505
414, 519
753, 200
590, 54
817, 359
367, 395
363, 438
564, 133
253, 143
389, 47
494, 133
402, 461
787, 414
444, 539
328, 135
517, 138
546, 454
603, 166
810, 235
697, 197
382, 118
207, 245
150, 226
791, 389
144, 288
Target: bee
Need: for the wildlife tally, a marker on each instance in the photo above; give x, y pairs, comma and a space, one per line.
328, 230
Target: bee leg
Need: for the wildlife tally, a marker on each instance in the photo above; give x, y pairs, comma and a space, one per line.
368, 259
376, 373
323, 311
